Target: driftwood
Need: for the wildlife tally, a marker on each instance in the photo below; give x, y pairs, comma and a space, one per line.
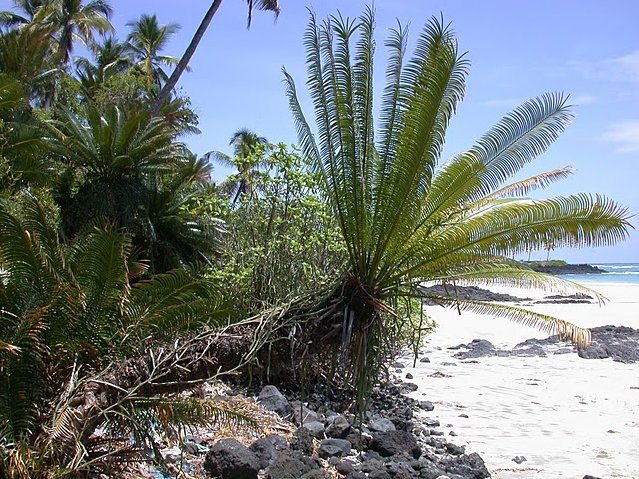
274, 346
282, 345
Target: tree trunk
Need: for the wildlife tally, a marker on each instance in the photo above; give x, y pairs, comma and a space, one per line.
186, 58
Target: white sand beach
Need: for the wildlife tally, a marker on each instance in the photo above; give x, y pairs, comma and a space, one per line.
566, 415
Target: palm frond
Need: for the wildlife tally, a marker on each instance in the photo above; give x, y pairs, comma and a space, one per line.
514, 227
191, 412
172, 303
523, 187
548, 324
515, 141
268, 5
508, 273
434, 82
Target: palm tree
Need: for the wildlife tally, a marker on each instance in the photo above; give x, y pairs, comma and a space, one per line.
405, 218
66, 21
111, 58
147, 39
25, 54
248, 151
165, 93
76, 21
27, 11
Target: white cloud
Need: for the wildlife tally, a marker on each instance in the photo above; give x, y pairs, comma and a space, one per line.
625, 134
583, 100
624, 68
627, 66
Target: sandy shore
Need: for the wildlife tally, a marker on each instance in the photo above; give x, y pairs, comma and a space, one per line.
566, 415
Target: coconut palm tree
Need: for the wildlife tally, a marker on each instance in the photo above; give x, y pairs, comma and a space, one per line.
26, 54
165, 93
147, 39
248, 151
111, 58
405, 218
26, 13
76, 21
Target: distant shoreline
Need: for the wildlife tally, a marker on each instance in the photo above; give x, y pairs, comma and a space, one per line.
558, 267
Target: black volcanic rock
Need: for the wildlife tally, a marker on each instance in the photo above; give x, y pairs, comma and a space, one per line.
556, 269
395, 442
468, 292
620, 343
230, 459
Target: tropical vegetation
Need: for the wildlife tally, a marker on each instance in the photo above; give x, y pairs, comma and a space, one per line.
128, 277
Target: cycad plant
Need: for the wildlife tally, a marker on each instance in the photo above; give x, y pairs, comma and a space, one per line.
176, 233
68, 313
22, 162
406, 219
108, 157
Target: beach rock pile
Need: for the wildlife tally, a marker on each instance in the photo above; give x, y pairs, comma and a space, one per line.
566, 299
468, 292
620, 343
390, 443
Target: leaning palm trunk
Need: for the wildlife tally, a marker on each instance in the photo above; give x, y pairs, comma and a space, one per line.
182, 65
407, 220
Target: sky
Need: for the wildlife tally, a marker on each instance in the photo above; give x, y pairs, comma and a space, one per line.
518, 50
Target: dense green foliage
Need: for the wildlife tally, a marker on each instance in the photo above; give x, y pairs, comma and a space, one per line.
282, 241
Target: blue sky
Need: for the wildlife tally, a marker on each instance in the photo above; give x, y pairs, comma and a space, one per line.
518, 50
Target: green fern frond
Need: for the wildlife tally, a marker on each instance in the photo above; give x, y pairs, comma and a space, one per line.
191, 412
523, 187
170, 304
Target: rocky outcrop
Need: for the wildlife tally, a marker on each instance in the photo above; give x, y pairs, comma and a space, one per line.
473, 293
620, 343
557, 269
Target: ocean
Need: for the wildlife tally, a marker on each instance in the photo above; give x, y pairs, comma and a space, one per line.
626, 273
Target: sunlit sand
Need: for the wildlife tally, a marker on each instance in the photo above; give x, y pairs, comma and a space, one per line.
566, 415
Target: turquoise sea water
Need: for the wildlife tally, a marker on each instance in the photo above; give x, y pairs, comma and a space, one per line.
627, 273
